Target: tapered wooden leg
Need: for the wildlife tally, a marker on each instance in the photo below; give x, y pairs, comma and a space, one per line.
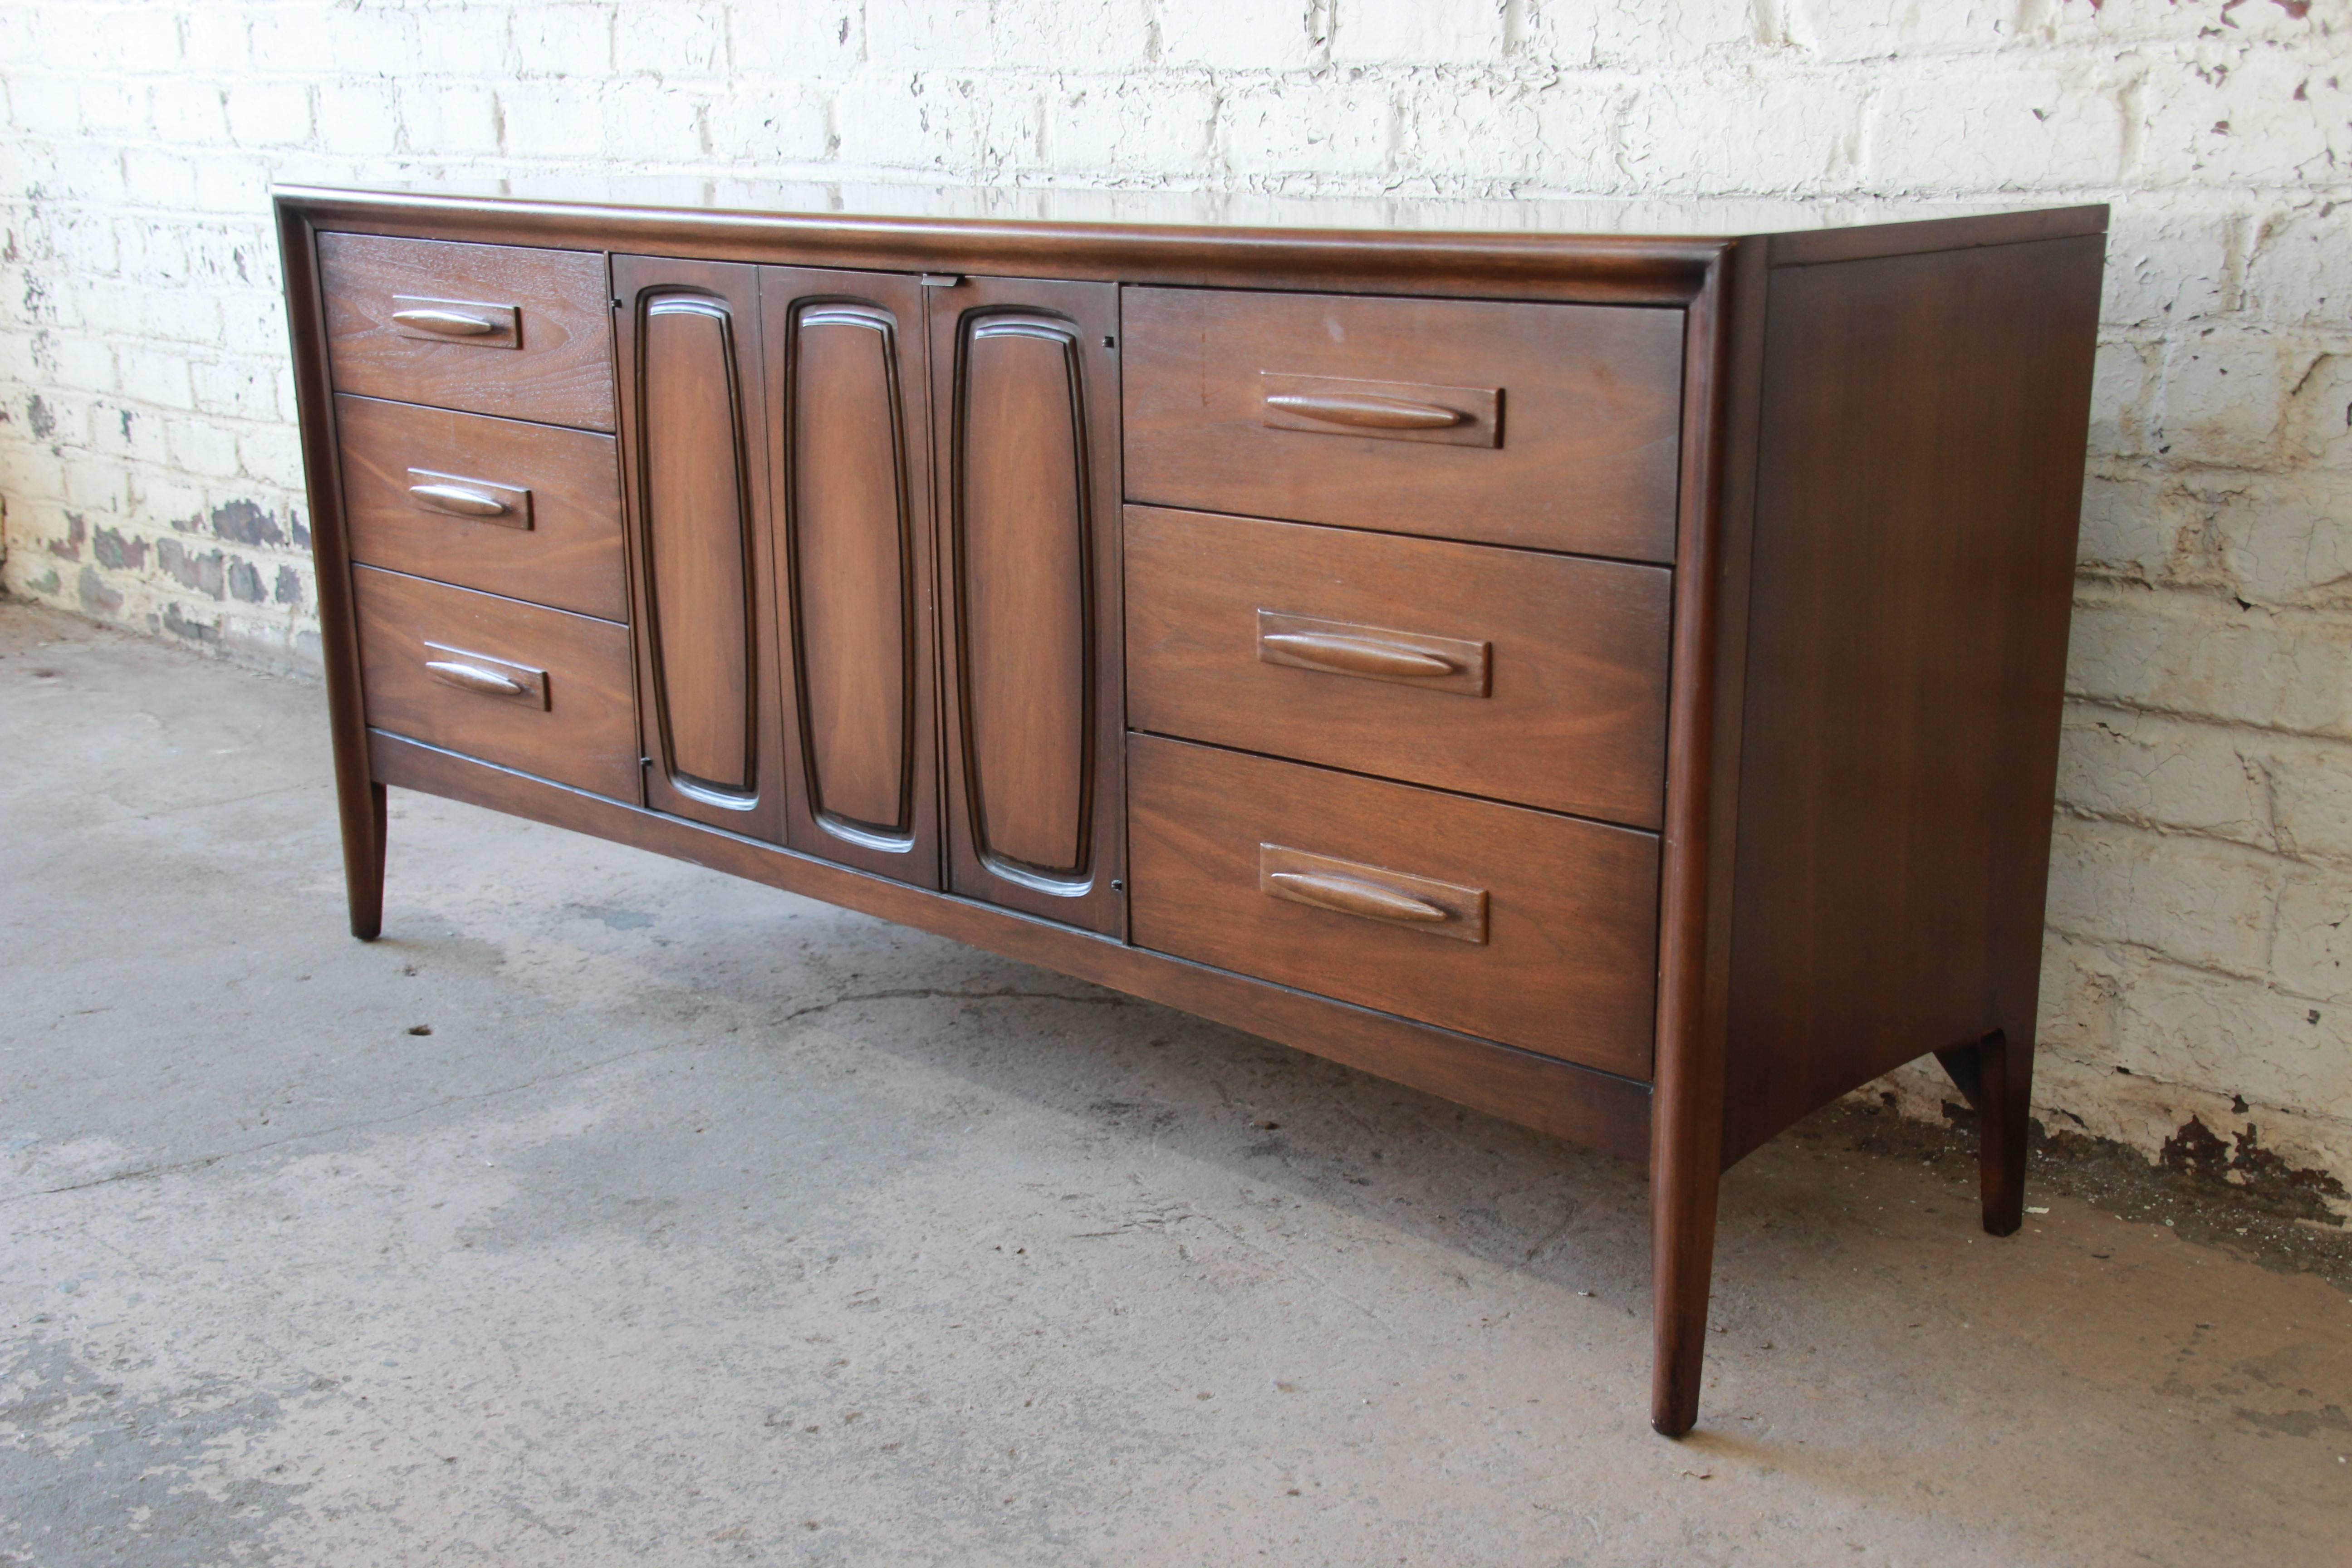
1996, 1074
1681, 1267
363, 833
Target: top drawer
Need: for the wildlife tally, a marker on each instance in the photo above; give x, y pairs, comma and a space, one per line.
1548, 427
495, 329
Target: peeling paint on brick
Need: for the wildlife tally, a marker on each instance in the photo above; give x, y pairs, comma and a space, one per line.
245, 522
178, 625
44, 423
206, 574
118, 554
97, 598
77, 535
244, 582
2256, 1173
289, 586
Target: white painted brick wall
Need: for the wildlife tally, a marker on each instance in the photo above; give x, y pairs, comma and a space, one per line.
2199, 936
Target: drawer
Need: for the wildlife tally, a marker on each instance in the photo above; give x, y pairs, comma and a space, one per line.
532, 511
496, 329
1534, 930
1553, 427
542, 691
1537, 678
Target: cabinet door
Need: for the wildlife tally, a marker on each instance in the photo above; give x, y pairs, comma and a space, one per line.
1026, 414
850, 450
692, 414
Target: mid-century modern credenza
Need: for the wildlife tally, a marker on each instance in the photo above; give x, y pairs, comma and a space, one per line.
1609, 681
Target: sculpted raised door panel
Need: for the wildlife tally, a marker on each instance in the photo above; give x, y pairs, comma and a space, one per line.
847, 365
1025, 410
693, 404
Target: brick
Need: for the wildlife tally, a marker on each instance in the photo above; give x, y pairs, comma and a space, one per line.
1849, 30
233, 391
358, 118
1241, 38
2194, 901
929, 34
2169, 262
1074, 35
2312, 954
550, 118
269, 113
1669, 33
2311, 798
2221, 397
2192, 654
218, 39
562, 40
2241, 1037
154, 376
1101, 124
1308, 128
296, 39
2083, 985
451, 119
2318, 412
815, 42
272, 455
2239, 116
2126, 384
674, 40
2294, 269
1999, 125
47, 105
2282, 537
1696, 133
658, 122
2164, 773
1416, 33
93, 484
376, 41
202, 448
112, 107
1491, 132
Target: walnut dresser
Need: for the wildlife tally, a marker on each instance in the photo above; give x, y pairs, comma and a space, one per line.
1607, 679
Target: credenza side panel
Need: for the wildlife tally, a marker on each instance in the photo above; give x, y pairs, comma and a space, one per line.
849, 445
694, 464
1025, 415
1917, 493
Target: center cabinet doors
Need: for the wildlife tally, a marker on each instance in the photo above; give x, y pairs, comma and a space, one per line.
792, 435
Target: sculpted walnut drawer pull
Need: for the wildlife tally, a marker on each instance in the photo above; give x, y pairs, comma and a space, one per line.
486, 677
468, 678
446, 323
1382, 410
1372, 653
456, 495
1351, 897
1372, 893
1368, 413
1356, 655
479, 325
457, 498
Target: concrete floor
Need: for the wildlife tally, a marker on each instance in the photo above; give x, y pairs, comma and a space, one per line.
707, 1225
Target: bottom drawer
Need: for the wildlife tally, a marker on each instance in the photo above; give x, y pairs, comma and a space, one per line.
1520, 926
542, 691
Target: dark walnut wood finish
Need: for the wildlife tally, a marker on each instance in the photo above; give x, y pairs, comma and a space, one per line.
1609, 681
1559, 432
526, 510
1554, 921
1539, 679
